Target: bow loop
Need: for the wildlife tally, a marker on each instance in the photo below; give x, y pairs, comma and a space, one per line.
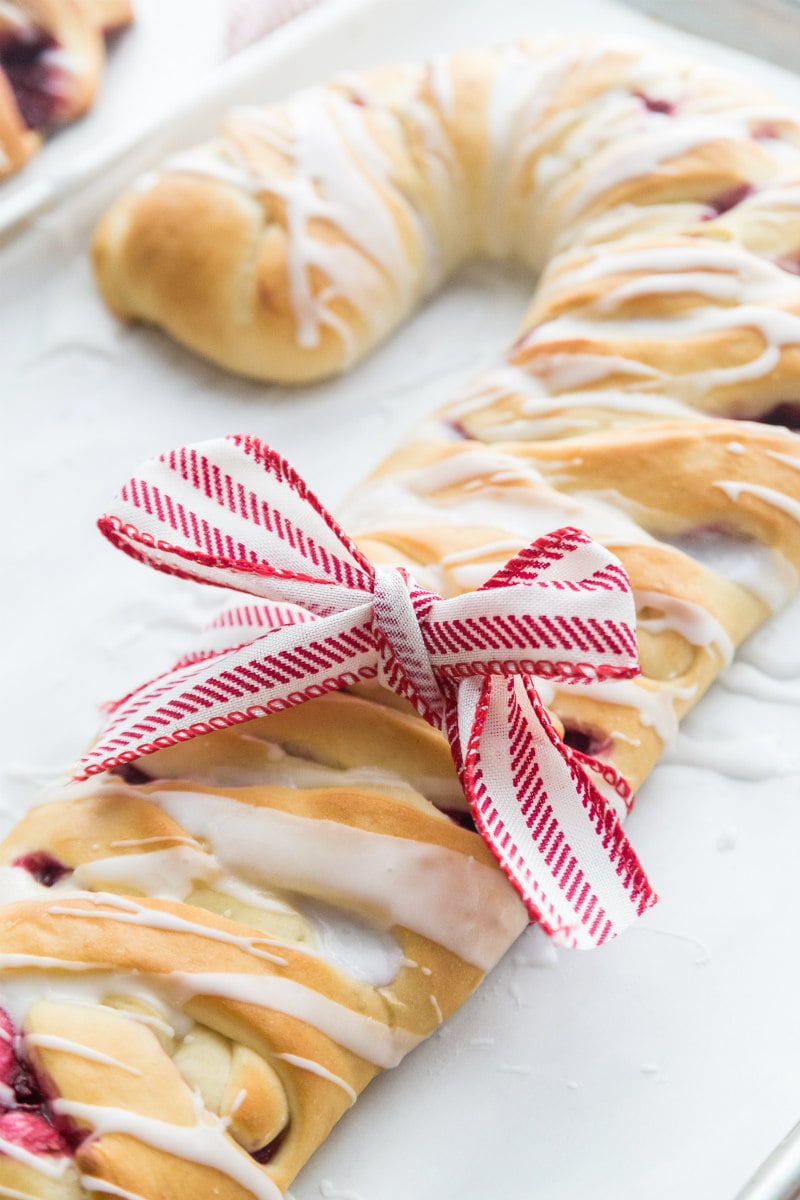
234, 513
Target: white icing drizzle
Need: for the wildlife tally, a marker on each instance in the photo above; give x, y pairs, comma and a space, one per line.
720, 270
521, 89
660, 142
127, 911
734, 489
93, 1184
339, 174
777, 327
528, 508
444, 895
690, 620
440, 80
351, 944
307, 1064
618, 736
50, 1041
50, 1165
205, 1142
655, 704
277, 768
369, 1039
168, 874
251, 895
52, 978
788, 459
13, 14
124, 843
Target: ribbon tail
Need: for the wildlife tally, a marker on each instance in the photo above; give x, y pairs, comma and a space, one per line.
287, 666
557, 838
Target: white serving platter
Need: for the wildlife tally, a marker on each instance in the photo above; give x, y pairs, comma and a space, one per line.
663, 1066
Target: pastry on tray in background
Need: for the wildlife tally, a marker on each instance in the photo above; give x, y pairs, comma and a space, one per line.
51, 56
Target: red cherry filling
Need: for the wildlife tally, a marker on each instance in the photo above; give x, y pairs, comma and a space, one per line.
727, 200
26, 1088
786, 413
459, 817
131, 774
653, 104
42, 866
586, 741
32, 1132
789, 262
765, 131
26, 1121
8, 1060
458, 429
266, 1153
26, 58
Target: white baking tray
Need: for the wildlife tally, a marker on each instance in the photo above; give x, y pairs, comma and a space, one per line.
664, 1065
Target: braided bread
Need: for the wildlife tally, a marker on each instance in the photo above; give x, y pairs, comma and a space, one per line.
261, 922
261, 983
51, 56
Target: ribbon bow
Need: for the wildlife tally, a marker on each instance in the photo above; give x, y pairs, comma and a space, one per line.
233, 513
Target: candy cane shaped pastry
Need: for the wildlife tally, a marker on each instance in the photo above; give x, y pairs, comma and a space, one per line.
254, 909
51, 57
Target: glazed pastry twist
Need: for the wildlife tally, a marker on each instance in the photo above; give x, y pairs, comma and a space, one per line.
231, 946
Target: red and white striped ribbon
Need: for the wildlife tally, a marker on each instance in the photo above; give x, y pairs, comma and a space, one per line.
233, 513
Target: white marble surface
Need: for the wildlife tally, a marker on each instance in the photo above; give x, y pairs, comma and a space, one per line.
665, 1065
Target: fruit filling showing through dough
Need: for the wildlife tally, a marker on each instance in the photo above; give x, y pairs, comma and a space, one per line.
37, 68
26, 1119
30, 1120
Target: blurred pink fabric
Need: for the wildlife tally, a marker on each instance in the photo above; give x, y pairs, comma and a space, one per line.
250, 20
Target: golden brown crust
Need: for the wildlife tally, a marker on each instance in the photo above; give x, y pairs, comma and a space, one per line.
408, 171
177, 996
